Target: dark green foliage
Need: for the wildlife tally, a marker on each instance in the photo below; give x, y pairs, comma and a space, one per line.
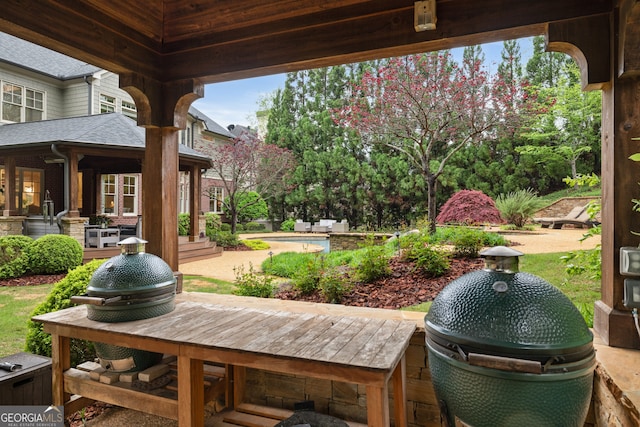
469, 207
254, 226
251, 284
249, 206
374, 262
239, 227
53, 254
225, 227
75, 283
307, 279
225, 239
183, 224
13, 260
287, 225
334, 284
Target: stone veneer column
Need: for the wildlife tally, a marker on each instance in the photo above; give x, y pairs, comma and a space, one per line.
11, 225
74, 227
202, 226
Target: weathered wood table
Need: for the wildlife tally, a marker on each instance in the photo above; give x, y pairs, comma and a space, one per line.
348, 349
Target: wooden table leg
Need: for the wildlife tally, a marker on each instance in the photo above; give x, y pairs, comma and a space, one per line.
190, 392
60, 362
239, 378
378, 406
400, 393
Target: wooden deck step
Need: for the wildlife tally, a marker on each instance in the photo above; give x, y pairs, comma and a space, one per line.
249, 415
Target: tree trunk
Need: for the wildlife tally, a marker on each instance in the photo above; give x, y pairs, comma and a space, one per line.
432, 184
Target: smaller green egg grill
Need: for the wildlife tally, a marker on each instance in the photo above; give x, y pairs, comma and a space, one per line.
508, 349
131, 286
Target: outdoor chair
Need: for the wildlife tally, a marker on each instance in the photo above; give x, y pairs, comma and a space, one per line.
578, 217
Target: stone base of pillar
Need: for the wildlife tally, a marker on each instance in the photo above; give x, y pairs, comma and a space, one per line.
74, 227
615, 327
11, 225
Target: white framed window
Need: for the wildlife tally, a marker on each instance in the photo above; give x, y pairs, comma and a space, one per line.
107, 104
29, 192
183, 194
109, 194
34, 106
216, 197
129, 109
130, 195
20, 104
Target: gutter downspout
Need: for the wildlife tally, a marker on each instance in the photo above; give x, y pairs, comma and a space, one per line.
89, 81
63, 212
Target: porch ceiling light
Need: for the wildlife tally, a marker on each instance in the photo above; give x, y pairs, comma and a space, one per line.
424, 17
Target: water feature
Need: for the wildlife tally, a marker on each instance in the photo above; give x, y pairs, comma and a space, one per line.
308, 240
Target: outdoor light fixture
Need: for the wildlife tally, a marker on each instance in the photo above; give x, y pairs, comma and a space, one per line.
631, 293
424, 17
630, 261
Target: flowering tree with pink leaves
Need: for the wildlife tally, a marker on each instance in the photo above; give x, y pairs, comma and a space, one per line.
426, 107
248, 165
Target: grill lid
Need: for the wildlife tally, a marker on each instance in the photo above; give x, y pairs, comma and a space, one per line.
133, 272
500, 312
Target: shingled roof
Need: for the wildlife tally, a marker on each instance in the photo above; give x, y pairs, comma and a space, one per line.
36, 58
101, 130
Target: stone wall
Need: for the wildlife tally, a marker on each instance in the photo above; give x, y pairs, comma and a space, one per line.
563, 206
11, 225
351, 241
348, 401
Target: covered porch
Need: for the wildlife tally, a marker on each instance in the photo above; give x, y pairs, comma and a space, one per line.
166, 51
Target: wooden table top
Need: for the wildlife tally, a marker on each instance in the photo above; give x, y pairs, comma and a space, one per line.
373, 344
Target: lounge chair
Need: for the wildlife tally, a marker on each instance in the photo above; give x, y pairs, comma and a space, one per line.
578, 217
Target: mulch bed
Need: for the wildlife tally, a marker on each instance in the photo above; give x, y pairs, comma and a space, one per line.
403, 288
34, 279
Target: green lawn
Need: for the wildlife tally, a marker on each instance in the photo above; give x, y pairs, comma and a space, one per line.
16, 305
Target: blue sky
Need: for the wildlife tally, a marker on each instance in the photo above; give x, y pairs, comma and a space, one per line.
236, 102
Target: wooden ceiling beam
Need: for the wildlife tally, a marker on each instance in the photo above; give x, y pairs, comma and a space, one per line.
460, 22
75, 29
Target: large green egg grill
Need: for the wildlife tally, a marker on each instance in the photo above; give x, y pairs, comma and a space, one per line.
131, 286
508, 349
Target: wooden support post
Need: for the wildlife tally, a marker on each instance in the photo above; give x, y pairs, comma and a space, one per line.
378, 406
190, 392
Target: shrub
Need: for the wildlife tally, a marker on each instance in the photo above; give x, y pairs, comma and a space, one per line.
13, 259
518, 207
53, 254
467, 243
288, 225
374, 262
75, 283
212, 222
225, 239
239, 227
225, 227
307, 279
184, 221
251, 284
469, 207
429, 260
254, 226
256, 245
334, 284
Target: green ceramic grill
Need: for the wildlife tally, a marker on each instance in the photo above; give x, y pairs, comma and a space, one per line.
131, 286
507, 348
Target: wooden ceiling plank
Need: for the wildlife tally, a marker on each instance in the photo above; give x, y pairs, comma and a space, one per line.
183, 19
53, 25
386, 35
